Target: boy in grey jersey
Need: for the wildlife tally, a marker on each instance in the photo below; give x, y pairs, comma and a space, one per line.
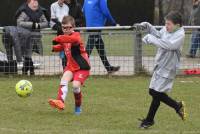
168, 41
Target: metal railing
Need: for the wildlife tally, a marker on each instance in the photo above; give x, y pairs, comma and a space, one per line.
123, 45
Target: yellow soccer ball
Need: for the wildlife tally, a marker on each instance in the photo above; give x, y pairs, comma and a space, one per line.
24, 88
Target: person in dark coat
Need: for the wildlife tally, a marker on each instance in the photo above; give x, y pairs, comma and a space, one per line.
75, 10
195, 21
32, 17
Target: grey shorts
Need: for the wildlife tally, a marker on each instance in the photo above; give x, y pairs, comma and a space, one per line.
161, 84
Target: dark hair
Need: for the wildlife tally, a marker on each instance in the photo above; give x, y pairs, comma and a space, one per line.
175, 17
68, 19
28, 1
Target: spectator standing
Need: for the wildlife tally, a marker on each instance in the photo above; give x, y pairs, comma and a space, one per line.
58, 10
96, 13
75, 10
31, 17
195, 21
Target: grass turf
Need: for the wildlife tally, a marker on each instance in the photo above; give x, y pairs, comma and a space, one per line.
110, 106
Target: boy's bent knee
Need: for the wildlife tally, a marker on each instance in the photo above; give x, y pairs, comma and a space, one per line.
76, 84
76, 90
153, 93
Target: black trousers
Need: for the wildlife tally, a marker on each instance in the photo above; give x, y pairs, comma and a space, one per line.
97, 41
158, 97
28, 66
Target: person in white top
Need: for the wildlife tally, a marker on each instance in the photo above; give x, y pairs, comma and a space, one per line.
58, 10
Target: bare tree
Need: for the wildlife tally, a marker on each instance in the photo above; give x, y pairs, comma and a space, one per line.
165, 6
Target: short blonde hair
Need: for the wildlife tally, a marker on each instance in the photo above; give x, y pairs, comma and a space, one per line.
68, 19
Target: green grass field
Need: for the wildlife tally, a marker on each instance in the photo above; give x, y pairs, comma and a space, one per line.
111, 106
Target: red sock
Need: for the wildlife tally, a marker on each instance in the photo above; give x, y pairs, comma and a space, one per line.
78, 99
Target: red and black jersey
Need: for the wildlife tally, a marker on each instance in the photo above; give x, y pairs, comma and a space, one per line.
77, 57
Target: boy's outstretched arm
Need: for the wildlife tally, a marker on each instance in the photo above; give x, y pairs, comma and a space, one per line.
169, 44
151, 29
74, 39
57, 48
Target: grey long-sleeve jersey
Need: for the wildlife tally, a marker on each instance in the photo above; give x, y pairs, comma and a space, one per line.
169, 45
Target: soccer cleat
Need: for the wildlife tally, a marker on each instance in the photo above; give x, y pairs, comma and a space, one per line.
113, 69
145, 124
77, 111
181, 112
57, 104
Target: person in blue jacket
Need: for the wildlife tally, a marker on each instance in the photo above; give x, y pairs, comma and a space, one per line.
97, 14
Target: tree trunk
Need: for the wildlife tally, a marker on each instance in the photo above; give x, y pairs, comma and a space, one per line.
183, 6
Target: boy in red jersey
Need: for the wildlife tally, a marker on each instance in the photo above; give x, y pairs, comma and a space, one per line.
77, 68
